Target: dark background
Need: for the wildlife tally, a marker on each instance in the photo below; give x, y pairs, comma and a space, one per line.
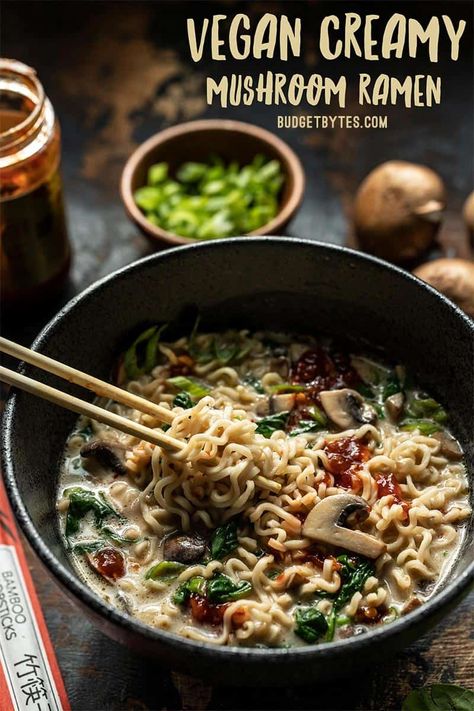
116, 72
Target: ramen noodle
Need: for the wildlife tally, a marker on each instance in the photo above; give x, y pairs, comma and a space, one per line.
213, 542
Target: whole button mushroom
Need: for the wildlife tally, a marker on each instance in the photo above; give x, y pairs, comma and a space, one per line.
454, 278
397, 210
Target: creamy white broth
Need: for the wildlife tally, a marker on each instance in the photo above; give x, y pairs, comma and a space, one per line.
272, 586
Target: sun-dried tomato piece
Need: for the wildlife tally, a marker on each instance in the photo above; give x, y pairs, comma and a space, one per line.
108, 562
207, 612
345, 458
387, 485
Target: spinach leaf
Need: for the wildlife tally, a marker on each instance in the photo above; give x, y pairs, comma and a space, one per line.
221, 588
197, 585
426, 427
439, 697
268, 425
392, 386
199, 354
254, 383
224, 540
354, 573
165, 570
193, 388
83, 501
141, 357
310, 624
226, 351
183, 399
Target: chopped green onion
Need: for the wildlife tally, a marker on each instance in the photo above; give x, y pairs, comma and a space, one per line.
194, 389
165, 571
426, 427
212, 200
287, 388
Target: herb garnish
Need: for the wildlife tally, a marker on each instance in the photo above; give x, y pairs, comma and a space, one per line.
310, 624
83, 501
224, 540
273, 423
142, 355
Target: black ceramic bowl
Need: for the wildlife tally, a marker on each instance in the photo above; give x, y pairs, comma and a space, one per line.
264, 282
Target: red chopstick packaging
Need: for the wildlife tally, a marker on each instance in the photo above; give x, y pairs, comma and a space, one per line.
30, 679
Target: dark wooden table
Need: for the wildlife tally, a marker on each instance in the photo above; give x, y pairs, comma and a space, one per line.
118, 71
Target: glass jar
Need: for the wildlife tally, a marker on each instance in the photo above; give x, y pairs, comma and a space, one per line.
34, 247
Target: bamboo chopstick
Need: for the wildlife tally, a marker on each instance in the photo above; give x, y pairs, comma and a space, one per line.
89, 410
99, 387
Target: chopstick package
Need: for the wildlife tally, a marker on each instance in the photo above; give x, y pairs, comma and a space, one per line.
30, 679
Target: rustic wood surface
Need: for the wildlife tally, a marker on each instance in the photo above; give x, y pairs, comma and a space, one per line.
117, 72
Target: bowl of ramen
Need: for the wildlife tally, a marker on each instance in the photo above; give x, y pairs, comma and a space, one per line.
318, 515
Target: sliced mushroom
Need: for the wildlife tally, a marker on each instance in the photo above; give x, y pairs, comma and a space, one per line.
347, 408
262, 407
326, 523
450, 447
283, 402
183, 548
104, 454
394, 405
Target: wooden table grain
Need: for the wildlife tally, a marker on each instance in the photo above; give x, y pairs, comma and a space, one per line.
118, 71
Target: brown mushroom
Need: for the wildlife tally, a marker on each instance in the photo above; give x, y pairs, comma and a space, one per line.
468, 214
183, 548
325, 522
347, 408
397, 210
450, 447
283, 402
394, 405
104, 454
454, 278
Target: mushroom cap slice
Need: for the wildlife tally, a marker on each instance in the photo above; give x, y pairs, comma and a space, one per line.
105, 454
326, 523
394, 405
283, 402
347, 408
450, 447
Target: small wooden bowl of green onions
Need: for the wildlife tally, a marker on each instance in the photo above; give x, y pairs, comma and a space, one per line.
212, 179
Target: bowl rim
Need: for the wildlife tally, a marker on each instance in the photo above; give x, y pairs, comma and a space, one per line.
85, 595
283, 216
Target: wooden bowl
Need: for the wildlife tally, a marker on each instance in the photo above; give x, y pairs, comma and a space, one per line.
196, 141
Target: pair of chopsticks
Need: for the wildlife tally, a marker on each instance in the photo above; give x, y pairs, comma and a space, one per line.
99, 387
